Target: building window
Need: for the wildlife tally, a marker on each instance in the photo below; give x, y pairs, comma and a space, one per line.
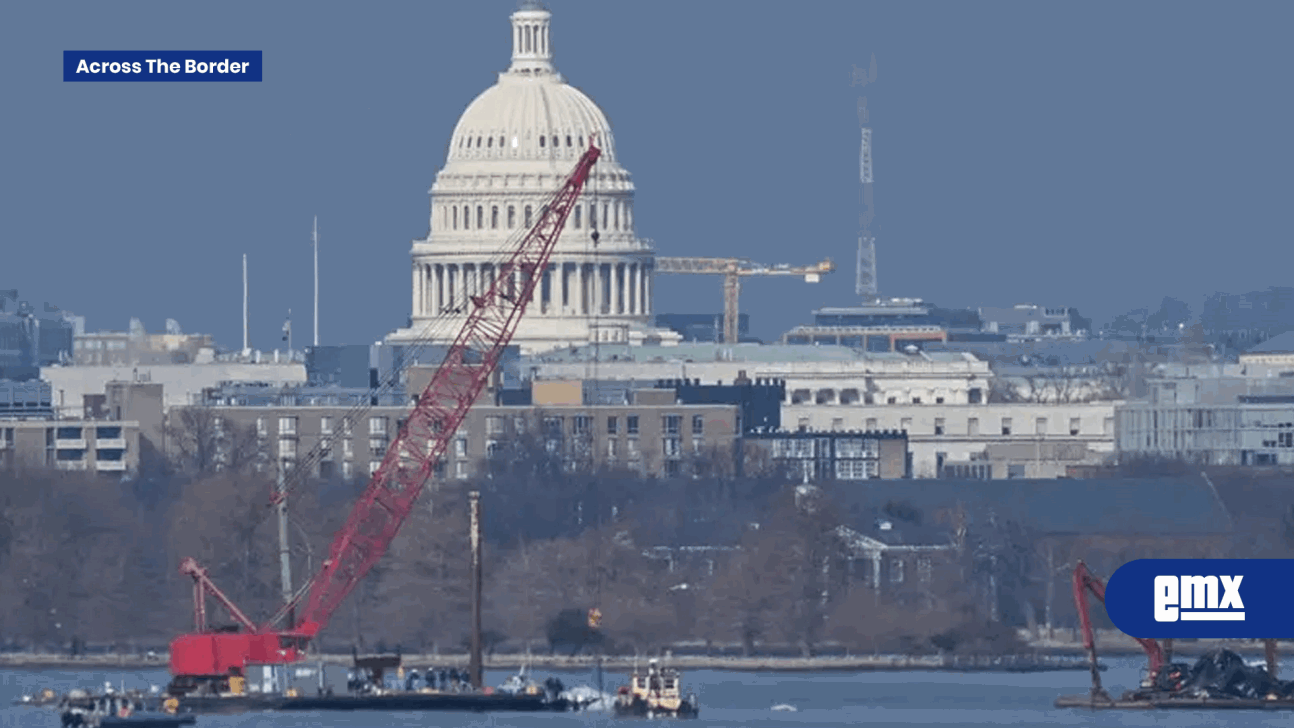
455, 217
939, 425
916, 400
672, 468
671, 447
891, 400
260, 427
1108, 427
325, 425
939, 400
1015, 470
495, 425
1040, 426
467, 217
480, 217
377, 447
896, 571
906, 424
528, 214
460, 447
287, 425
631, 424
1285, 439
972, 426
494, 217
582, 426
287, 448
698, 424
543, 139
613, 424
1006, 425
975, 396
611, 449
870, 424
347, 469
1074, 425
837, 424
377, 426
512, 216
348, 449
577, 217
670, 424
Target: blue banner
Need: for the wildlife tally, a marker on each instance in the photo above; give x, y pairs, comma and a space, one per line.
234, 66
1203, 598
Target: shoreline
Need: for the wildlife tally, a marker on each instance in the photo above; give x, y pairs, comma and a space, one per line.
1052, 656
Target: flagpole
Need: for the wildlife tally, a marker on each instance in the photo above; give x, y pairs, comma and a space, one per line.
316, 246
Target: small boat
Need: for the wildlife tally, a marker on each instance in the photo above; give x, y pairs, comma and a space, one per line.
655, 694
81, 710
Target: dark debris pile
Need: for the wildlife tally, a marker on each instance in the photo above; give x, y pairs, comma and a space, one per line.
1222, 674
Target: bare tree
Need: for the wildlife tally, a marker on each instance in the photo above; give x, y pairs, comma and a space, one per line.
203, 441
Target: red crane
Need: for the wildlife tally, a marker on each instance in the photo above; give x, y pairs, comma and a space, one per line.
1159, 656
1084, 580
492, 318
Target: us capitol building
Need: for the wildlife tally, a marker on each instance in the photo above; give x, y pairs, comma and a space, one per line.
512, 149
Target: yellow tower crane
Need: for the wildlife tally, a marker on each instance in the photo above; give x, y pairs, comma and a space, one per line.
732, 270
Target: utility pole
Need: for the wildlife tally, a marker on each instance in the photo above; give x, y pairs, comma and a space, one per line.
475, 667
285, 552
316, 246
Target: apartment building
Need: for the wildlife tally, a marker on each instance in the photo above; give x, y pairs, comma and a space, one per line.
648, 432
90, 445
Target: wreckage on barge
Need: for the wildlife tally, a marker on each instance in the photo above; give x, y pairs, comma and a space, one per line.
1219, 680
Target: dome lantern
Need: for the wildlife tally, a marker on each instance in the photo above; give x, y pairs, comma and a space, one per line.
532, 51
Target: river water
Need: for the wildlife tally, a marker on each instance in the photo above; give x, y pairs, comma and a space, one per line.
822, 700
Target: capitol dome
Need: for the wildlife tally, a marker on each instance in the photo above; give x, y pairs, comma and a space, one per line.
512, 148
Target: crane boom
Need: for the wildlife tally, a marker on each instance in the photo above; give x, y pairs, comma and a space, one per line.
421, 443
732, 270
1085, 581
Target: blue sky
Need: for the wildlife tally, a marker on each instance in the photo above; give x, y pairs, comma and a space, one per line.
1099, 155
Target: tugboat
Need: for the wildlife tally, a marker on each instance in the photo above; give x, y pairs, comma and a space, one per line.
656, 694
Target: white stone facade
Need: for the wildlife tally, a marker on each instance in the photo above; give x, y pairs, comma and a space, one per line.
1043, 439
512, 149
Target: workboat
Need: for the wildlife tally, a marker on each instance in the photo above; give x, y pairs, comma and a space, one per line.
656, 693
79, 709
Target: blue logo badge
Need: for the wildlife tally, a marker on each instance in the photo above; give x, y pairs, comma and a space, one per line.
1203, 598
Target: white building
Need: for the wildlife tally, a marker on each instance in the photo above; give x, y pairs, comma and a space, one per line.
1247, 421
512, 149
939, 398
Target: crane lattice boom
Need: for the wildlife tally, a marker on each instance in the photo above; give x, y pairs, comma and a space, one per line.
492, 318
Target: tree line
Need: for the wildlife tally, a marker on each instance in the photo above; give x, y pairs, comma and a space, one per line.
89, 560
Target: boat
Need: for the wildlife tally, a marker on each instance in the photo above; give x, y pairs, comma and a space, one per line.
81, 710
657, 693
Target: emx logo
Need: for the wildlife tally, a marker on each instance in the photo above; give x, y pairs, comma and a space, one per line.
1203, 598
1195, 598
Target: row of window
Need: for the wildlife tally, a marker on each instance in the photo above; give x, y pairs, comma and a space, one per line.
613, 213
1007, 426
582, 425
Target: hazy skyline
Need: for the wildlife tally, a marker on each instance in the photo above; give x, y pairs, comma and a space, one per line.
1093, 155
